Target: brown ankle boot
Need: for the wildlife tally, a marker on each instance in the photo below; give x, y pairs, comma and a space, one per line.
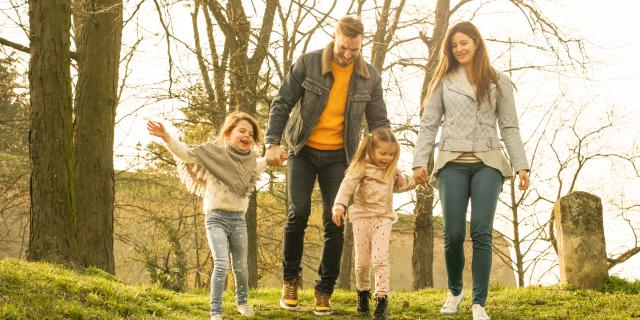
323, 304
289, 299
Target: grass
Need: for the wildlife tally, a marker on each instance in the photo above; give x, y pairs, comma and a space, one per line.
44, 291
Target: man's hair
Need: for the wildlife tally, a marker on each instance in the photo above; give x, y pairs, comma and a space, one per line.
350, 26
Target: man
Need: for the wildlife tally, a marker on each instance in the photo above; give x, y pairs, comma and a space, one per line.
321, 103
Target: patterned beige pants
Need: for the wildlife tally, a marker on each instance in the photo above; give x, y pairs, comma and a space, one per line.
371, 240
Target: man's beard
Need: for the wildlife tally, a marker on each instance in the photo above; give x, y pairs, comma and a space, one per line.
343, 62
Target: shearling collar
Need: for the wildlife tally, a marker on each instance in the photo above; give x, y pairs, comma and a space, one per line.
327, 57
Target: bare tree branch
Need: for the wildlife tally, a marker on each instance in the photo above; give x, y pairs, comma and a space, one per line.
26, 49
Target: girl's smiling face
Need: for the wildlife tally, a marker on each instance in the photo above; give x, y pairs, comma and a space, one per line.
383, 154
241, 136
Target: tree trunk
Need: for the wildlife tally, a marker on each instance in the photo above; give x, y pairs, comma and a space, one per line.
52, 214
516, 235
434, 44
98, 36
422, 258
344, 280
252, 233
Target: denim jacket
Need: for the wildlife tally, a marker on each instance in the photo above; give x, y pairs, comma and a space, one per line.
468, 126
304, 93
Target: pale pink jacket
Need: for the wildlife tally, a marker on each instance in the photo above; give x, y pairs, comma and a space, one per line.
367, 193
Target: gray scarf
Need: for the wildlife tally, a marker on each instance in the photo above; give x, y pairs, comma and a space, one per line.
232, 167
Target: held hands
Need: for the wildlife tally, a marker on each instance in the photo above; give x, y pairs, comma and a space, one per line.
157, 129
275, 155
524, 179
338, 214
421, 175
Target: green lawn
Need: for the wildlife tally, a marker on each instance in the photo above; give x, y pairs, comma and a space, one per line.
44, 291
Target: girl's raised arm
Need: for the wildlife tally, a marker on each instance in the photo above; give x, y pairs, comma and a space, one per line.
179, 149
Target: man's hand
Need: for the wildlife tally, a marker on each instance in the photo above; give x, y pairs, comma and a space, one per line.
275, 155
421, 175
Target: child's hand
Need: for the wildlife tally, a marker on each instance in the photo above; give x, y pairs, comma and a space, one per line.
338, 212
157, 129
284, 157
400, 179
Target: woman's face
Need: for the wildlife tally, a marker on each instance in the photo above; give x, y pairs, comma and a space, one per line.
463, 48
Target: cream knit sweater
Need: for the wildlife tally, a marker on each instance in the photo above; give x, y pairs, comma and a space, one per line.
216, 196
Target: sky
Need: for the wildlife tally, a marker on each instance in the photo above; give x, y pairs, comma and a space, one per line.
611, 30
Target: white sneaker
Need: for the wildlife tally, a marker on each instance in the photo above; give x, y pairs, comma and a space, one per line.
216, 317
452, 304
479, 313
246, 310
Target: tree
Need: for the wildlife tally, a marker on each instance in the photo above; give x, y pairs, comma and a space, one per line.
14, 111
53, 214
14, 161
84, 155
242, 73
422, 259
98, 35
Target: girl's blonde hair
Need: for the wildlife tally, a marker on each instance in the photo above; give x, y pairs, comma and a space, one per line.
232, 120
368, 146
483, 73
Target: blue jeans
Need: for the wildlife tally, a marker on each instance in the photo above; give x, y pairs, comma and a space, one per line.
227, 235
457, 183
328, 167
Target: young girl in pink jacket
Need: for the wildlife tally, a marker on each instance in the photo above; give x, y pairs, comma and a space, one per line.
367, 191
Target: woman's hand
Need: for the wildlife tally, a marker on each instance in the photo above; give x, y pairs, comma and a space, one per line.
157, 129
524, 179
338, 213
421, 175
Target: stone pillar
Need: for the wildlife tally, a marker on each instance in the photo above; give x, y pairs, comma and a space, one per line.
580, 237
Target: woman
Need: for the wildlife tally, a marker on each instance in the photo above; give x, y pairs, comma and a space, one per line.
469, 97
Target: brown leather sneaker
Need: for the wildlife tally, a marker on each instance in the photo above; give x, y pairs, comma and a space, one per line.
322, 304
289, 298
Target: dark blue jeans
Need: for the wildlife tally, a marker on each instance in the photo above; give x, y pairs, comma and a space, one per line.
457, 183
328, 167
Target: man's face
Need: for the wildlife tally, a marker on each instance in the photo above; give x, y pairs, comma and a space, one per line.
345, 49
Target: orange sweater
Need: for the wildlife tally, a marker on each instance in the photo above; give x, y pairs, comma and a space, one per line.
327, 134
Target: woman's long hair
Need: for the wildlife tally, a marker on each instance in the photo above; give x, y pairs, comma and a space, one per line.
368, 146
483, 73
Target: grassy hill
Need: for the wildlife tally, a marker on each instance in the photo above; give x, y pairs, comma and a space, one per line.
45, 291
